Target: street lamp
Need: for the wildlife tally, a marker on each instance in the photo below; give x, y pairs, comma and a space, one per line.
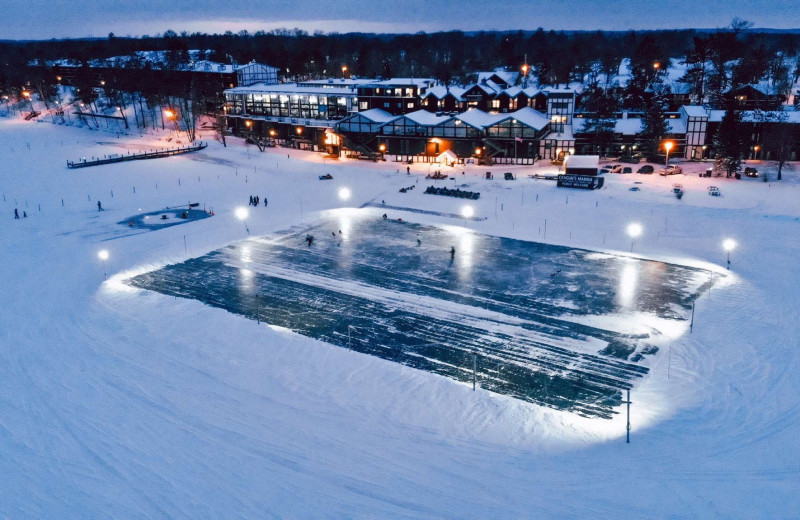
756, 148
668, 146
344, 193
382, 147
634, 231
241, 214
103, 255
467, 212
344, 70
729, 245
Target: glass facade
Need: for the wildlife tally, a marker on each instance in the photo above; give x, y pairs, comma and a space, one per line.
305, 106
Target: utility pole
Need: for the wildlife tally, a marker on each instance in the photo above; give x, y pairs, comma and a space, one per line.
628, 426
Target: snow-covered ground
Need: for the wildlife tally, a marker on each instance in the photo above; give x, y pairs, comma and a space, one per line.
119, 402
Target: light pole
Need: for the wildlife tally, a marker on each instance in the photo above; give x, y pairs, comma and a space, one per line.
467, 212
103, 255
668, 146
172, 115
634, 231
729, 245
241, 214
344, 71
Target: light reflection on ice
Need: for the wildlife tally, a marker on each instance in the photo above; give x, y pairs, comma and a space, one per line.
628, 283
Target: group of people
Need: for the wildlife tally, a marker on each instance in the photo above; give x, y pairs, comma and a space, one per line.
255, 200
16, 214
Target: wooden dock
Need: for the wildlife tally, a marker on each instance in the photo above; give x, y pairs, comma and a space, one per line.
169, 152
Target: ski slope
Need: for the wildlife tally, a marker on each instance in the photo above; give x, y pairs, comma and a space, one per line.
122, 402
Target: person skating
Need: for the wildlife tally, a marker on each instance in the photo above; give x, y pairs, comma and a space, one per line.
309, 240
251, 201
99, 206
16, 214
265, 202
452, 253
385, 216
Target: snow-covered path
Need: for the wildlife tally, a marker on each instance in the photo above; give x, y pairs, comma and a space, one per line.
124, 403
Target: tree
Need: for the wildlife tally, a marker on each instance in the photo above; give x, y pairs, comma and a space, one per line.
729, 143
601, 124
779, 136
654, 125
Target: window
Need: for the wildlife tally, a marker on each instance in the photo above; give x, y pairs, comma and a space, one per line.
410, 104
495, 103
363, 105
386, 105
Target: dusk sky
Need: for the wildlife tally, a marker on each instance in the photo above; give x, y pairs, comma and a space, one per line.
43, 19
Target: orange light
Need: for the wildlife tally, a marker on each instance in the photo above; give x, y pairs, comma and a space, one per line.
656, 65
478, 151
169, 113
299, 130
248, 124
26, 94
757, 148
272, 133
525, 69
344, 68
382, 147
668, 146
58, 78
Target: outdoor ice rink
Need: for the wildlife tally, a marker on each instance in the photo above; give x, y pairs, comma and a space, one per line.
541, 320
120, 401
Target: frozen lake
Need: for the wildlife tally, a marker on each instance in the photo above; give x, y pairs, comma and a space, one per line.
565, 328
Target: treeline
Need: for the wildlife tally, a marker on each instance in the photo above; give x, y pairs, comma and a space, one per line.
556, 57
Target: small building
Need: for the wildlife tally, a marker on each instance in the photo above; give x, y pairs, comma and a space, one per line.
581, 164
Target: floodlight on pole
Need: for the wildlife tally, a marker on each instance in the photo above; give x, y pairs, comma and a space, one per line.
668, 146
241, 214
729, 245
103, 255
634, 231
344, 193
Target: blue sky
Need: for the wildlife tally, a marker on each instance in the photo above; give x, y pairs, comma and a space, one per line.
40, 19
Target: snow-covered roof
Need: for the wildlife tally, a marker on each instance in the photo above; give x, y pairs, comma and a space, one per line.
341, 82
425, 118
391, 82
582, 161
632, 125
694, 111
291, 88
508, 77
479, 118
440, 92
530, 117
376, 115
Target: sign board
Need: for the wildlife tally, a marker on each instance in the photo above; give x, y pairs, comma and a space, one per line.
586, 182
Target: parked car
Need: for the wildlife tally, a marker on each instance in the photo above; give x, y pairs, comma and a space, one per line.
616, 168
646, 169
326, 177
751, 172
671, 170
627, 170
508, 176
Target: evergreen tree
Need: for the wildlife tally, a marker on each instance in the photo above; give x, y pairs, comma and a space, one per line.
654, 126
600, 125
729, 143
